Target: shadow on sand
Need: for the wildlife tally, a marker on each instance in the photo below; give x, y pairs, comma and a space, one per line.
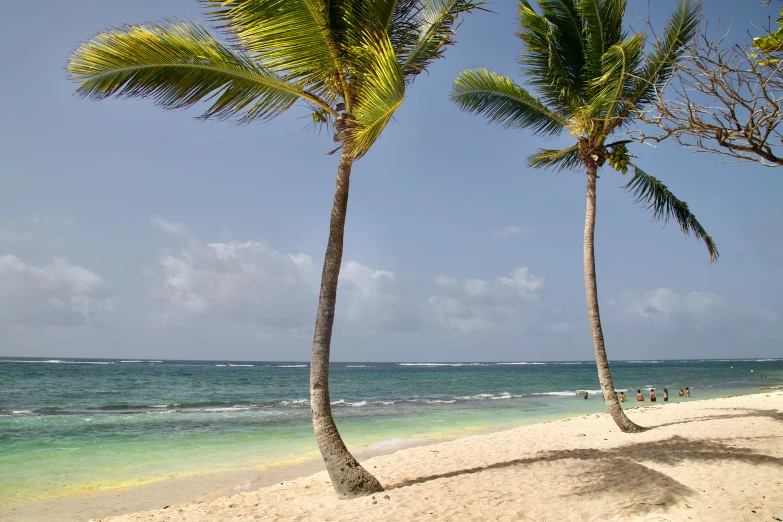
740, 413
621, 471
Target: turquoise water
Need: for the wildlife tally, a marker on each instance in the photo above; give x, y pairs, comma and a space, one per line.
69, 425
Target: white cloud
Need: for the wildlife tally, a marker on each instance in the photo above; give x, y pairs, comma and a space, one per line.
58, 294
476, 304
374, 300
254, 283
445, 281
663, 305
523, 282
364, 287
239, 281
475, 287
170, 227
510, 231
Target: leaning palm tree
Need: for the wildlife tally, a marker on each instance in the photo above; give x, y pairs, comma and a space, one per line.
592, 78
348, 61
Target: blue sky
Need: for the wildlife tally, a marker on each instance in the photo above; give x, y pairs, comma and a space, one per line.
129, 231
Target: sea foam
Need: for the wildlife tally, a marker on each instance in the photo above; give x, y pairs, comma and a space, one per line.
557, 394
60, 361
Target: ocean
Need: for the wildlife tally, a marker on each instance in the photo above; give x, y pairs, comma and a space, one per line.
77, 425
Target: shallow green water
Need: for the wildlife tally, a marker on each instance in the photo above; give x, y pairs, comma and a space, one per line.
74, 425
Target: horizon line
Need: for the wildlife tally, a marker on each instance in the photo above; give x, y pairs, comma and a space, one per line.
147, 359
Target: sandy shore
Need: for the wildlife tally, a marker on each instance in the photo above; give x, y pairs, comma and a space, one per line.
718, 459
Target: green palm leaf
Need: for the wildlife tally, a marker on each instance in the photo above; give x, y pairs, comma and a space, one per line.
179, 64
655, 196
617, 65
556, 70
564, 159
399, 20
568, 28
436, 24
499, 99
291, 37
378, 95
603, 26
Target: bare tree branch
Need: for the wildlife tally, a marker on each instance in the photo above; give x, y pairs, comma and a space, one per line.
721, 99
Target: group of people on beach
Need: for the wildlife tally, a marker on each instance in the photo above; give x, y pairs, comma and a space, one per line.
654, 397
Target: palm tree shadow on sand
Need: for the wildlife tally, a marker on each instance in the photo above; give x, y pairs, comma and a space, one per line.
621, 473
740, 413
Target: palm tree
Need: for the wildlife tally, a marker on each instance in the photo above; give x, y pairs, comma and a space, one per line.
592, 78
348, 61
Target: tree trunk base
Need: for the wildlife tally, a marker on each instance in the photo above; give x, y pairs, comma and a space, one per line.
349, 478
631, 427
616, 411
355, 482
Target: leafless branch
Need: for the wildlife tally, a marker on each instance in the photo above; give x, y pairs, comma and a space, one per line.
722, 99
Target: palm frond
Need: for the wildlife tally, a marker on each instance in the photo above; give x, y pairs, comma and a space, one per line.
655, 196
380, 91
680, 30
568, 27
551, 63
603, 22
617, 65
481, 91
564, 159
178, 64
399, 19
291, 37
436, 23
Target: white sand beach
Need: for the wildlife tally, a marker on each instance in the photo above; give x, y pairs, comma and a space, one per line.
719, 459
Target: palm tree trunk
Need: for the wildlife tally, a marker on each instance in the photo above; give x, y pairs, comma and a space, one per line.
349, 478
591, 290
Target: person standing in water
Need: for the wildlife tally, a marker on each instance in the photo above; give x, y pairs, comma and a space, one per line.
681, 393
622, 396
585, 395
652, 394
639, 396
687, 392
665, 395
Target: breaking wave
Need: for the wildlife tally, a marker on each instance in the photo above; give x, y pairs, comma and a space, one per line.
60, 361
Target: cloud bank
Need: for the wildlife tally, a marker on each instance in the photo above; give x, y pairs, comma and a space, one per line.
57, 294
